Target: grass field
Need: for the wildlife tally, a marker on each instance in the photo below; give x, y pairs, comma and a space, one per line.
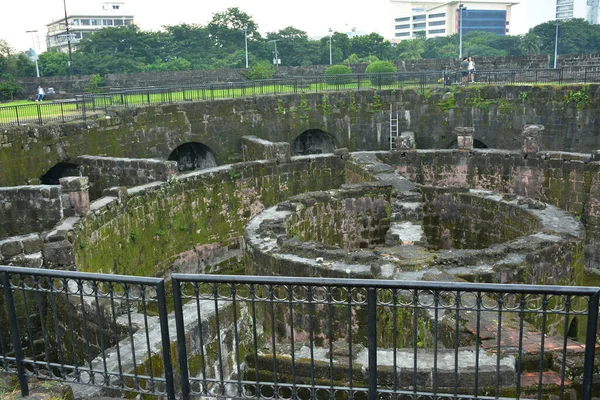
24, 111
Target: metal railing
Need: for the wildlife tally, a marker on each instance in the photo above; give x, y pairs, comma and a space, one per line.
90, 105
300, 338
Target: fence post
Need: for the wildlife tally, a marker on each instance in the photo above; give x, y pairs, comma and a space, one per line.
14, 333
585, 75
83, 107
372, 341
181, 348
590, 347
148, 96
39, 114
166, 341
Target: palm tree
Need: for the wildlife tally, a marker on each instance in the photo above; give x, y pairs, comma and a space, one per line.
413, 49
530, 44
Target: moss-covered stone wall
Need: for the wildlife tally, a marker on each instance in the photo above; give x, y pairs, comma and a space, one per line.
356, 217
358, 120
143, 233
455, 219
567, 180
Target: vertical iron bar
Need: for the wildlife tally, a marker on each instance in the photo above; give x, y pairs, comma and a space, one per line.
14, 333
101, 331
200, 335
255, 338
590, 347
57, 330
436, 304
273, 341
147, 329
456, 338
542, 345
372, 341
166, 342
39, 111
311, 324
130, 330
499, 342
181, 342
415, 338
219, 344
111, 291
395, 340
236, 339
564, 349
350, 356
291, 311
521, 328
330, 336
478, 342
42, 322
85, 330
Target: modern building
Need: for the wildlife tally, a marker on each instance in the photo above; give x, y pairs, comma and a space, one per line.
82, 24
441, 18
586, 9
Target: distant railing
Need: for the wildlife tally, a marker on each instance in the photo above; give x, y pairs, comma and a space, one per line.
297, 338
91, 105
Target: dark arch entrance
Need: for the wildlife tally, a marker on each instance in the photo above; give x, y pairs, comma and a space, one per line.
60, 170
313, 141
477, 144
191, 156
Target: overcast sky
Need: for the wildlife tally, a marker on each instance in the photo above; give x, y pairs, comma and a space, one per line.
313, 16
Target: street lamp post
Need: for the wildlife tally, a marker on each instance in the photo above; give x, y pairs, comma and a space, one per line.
276, 60
68, 39
246, 43
461, 8
330, 53
37, 69
556, 46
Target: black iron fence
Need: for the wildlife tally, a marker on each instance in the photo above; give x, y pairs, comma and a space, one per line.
298, 338
90, 105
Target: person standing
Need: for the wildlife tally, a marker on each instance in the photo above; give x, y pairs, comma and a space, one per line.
446, 76
40, 93
472, 69
464, 70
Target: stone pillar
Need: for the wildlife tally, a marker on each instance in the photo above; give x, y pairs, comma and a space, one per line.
532, 137
406, 141
75, 196
464, 137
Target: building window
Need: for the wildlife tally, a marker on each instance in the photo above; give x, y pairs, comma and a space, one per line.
118, 22
436, 31
128, 21
115, 7
96, 22
440, 15
405, 26
107, 22
402, 34
419, 18
402, 19
437, 23
75, 22
419, 26
85, 22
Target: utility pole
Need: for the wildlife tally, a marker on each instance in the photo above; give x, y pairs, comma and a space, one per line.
246, 43
68, 39
330, 53
37, 69
556, 46
461, 8
276, 59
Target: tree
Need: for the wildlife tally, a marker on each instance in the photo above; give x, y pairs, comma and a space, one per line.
411, 49
52, 63
226, 30
294, 47
575, 36
530, 44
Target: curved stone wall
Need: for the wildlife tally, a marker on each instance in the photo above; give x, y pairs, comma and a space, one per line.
143, 230
357, 120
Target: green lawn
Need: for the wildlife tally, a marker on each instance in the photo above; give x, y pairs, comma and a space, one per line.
32, 112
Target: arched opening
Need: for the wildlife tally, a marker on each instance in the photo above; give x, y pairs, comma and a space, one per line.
191, 156
477, 144
313, 141
60, 170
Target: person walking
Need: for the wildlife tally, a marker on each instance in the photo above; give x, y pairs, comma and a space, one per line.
472, 69
464, 70
40, 93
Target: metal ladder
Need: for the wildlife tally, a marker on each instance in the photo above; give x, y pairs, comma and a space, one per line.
394, 129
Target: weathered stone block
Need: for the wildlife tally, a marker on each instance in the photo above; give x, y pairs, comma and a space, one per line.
254, 148
32, 244
464, 142
11, 247
406, 141
59, 255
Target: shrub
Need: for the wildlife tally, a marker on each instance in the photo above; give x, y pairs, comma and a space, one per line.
334, 75
9, 88
95, 82
381, 67
262, 70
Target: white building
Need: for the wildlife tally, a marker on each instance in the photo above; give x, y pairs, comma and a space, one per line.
586, 9
440, 17
82, 24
